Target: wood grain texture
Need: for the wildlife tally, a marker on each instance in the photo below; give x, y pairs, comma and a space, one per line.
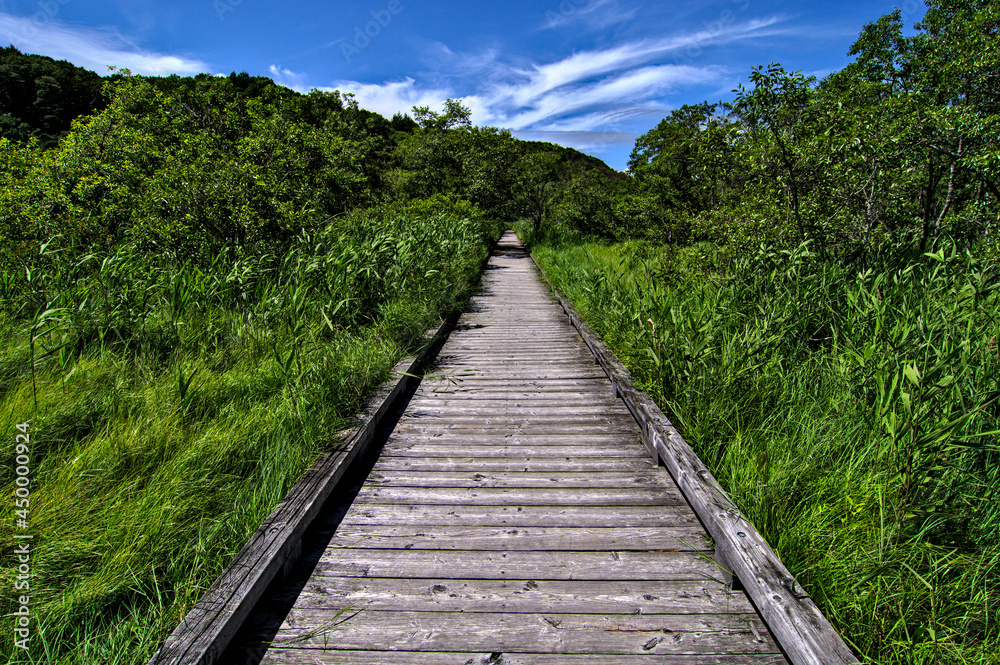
526, 479
507, 436
555, 516
501, 450
477, 564
493, 496
521, 596
511, 631
513, 462
287, 656
522, 538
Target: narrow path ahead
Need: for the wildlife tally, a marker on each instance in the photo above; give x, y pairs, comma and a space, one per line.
514, 516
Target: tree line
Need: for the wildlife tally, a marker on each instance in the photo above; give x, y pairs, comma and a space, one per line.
183, 166
902, 144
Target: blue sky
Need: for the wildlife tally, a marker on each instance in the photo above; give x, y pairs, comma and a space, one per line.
592, 74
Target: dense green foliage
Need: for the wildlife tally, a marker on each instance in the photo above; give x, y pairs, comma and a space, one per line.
186, 166
806, 280
40, 97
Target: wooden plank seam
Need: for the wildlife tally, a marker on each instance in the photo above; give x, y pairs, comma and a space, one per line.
799, 627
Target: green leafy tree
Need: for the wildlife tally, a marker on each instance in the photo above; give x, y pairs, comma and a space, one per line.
541, 175
778, 115
431, 159
683, 159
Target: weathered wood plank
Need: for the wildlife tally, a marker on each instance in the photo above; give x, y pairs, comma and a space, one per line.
490, 496
520, 538
468, 396
555, 633
539, 428
515, 463
566, 376
520, 479
513, 414
547, 360
569, 565
493, 346
513, 435
523, 390
596, 382
522, 596
501, 449
517, 516
288, 656
513, 406
609, 426
515, 354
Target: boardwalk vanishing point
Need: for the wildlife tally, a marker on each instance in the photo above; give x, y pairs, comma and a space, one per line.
514, 516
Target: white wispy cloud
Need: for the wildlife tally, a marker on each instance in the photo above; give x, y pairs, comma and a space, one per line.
91, 48
637, 85
534, 83
393, 97
585, 99
611, 116
596, 13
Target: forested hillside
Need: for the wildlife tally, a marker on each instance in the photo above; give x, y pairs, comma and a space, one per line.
203, 278
40, 97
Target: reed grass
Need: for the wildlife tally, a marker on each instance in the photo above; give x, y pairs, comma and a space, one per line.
178, 401
849, 407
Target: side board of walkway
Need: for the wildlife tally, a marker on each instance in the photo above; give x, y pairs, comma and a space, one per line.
803, 632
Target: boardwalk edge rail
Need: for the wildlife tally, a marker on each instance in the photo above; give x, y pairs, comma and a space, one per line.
798, 625
205, 632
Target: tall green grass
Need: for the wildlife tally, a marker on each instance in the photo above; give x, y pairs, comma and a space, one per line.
173, 403
850, 409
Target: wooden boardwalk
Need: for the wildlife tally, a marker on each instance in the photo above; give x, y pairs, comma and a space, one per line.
515, 516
